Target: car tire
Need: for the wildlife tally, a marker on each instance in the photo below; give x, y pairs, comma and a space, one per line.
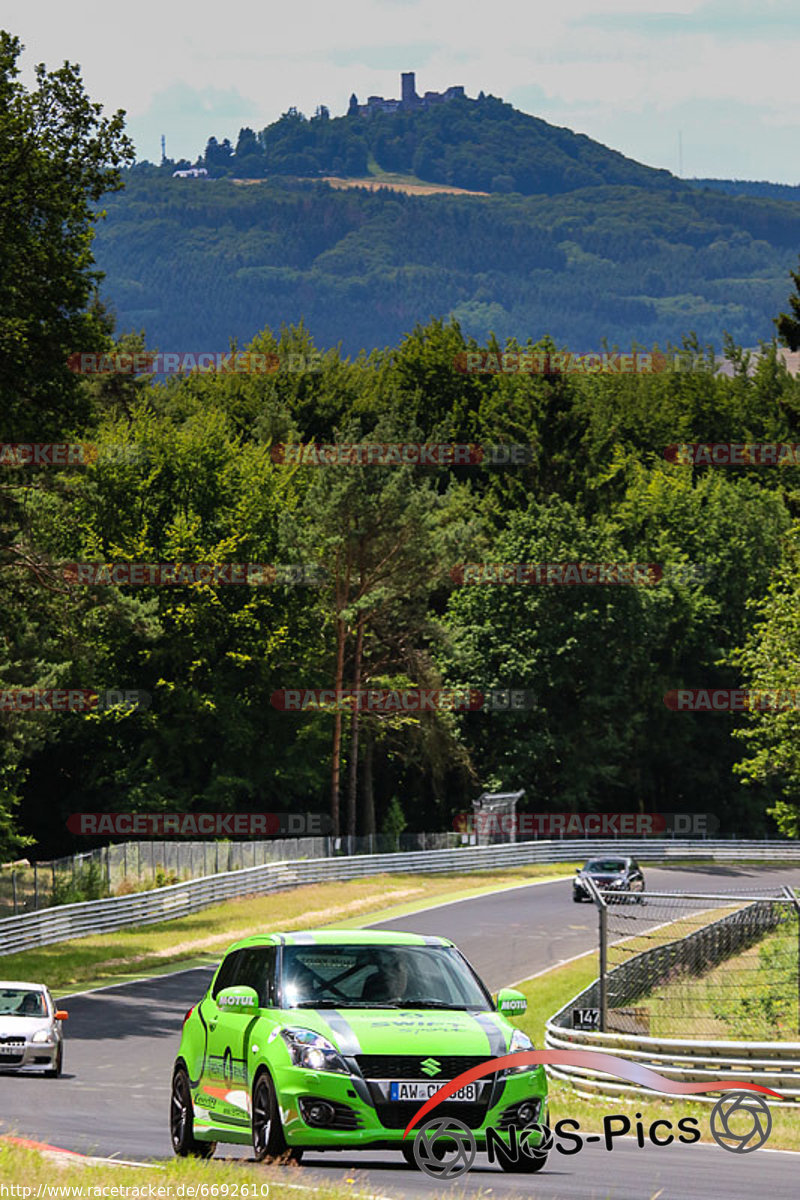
268, 1136
578, 899
408, 1155
181, 1119
55, 1071
524, 1164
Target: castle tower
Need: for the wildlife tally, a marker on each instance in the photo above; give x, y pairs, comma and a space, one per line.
408, 88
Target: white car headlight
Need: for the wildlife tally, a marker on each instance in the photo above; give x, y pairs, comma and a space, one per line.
519, 1041
43, 1035
312, 1051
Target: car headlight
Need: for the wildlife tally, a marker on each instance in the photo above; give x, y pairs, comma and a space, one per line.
617, 883
312, 1051
519, 1041
42, 1035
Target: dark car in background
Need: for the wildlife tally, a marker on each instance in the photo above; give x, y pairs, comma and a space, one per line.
615, 874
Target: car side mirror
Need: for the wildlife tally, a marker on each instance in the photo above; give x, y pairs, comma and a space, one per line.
511, 1002
61, 1015
238, 1000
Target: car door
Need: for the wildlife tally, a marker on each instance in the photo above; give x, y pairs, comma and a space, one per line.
229, 1036
635, 876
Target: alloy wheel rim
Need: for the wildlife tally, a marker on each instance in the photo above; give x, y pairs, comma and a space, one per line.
261, 1118
179, 1112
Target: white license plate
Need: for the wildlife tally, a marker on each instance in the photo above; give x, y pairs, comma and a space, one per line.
11, 1049
406, 1089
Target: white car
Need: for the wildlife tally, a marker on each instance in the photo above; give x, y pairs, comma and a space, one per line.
30, 1028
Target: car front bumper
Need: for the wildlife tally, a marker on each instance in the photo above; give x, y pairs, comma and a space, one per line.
41, 1055
381, 1122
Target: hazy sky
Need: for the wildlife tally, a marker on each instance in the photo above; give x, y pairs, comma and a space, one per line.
634, 74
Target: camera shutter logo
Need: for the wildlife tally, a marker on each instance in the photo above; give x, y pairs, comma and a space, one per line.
444, 1148
545, 1141
737, 1111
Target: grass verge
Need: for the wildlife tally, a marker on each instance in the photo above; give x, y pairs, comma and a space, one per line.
197, 938
546, 994
751, 996
27, 1171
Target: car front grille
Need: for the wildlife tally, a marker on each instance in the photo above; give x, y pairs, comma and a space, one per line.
397, 1114
407, 1066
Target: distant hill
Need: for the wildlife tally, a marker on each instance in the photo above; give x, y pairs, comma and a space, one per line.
481, 145
197, 262
749, 187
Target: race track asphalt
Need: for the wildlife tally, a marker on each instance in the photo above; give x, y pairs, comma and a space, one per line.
120, 1043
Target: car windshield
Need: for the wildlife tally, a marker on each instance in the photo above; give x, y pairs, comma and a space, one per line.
22, 1002
605, 866
379, 977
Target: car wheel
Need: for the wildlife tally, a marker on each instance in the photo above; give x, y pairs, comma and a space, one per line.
524, 1165
408, 1155
54, 1071
640, 897
268, 1138
181, 1119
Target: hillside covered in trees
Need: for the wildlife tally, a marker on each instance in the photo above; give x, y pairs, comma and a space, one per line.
197, 263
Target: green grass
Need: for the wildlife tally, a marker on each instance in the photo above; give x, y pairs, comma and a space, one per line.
752, 996
23, 1167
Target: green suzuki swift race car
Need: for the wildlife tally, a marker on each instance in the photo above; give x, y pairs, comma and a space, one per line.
332, 1040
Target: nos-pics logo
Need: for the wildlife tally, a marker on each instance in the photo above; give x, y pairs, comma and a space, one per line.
445, 1147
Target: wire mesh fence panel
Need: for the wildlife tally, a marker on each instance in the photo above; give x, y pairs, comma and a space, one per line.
702, 966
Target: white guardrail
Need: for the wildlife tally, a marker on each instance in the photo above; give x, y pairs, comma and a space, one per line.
772, 1064
67, 921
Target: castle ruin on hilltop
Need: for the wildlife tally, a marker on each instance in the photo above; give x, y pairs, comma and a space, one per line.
409, 100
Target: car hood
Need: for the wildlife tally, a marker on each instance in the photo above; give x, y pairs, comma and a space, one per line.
406, 1031
22, 1026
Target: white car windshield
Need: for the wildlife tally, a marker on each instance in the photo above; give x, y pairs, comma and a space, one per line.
605, 866
22, 1002
379, 977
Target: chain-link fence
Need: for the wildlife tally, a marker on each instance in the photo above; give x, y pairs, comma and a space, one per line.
139, 866
716, 967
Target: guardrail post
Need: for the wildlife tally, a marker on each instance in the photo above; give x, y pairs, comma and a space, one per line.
602, 913
14, 890
791, 895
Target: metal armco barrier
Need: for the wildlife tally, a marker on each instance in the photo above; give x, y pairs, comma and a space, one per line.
772, 1064
689, 1060
69, 921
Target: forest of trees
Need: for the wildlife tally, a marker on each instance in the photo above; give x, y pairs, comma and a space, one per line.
185, 472
196, 263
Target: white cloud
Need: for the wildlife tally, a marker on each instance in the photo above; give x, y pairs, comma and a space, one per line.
603, 72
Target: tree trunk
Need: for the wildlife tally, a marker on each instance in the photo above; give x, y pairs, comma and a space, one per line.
356, 720
368, 789
342, 596
341, 636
